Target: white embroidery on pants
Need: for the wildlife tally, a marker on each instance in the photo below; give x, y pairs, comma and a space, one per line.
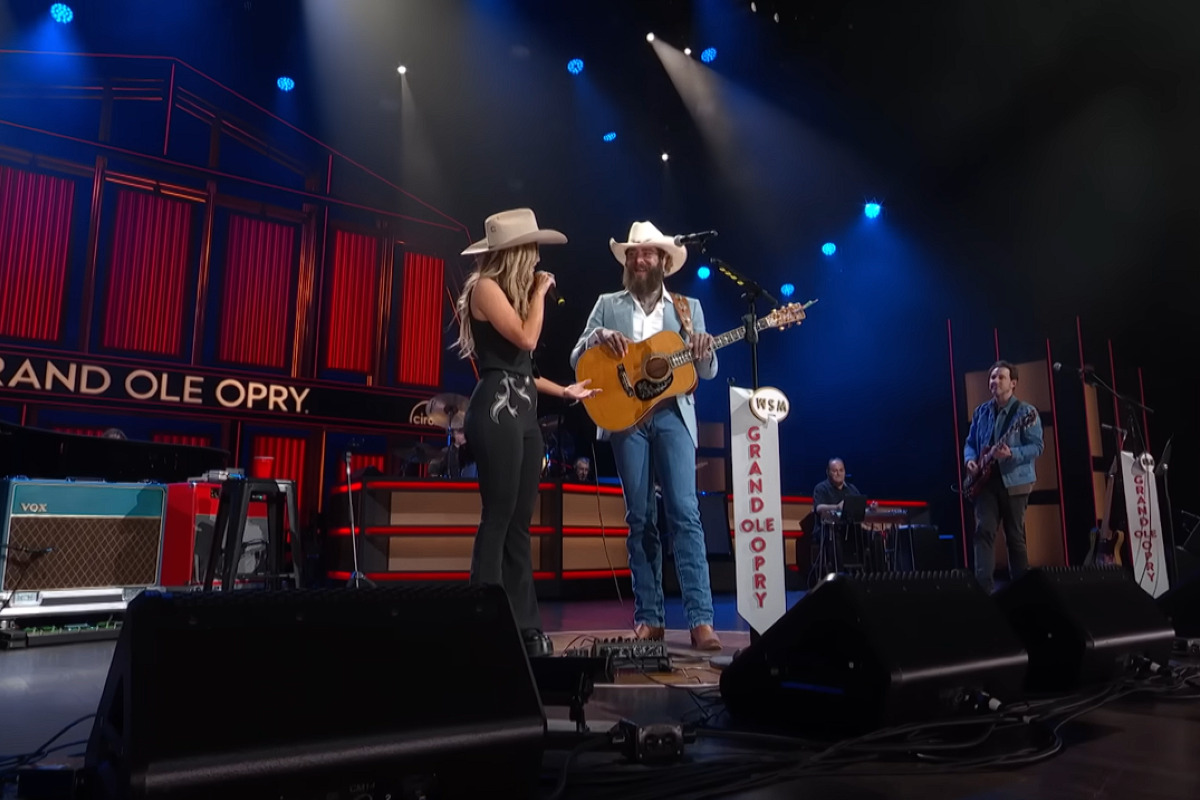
510, 385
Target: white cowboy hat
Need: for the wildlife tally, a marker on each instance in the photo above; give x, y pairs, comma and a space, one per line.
512, 228
644, 233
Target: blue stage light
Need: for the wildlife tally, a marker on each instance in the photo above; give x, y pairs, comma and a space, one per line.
872, 210
703, 273
787, 290
709, 55
829, 248
575, 66
286, 84
611, 136
61, 12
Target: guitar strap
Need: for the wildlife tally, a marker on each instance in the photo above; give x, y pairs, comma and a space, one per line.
685, 317
685, 314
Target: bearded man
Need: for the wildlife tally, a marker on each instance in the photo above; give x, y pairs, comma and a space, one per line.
663, 445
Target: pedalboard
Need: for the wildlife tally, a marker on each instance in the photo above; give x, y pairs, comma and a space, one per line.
643, 655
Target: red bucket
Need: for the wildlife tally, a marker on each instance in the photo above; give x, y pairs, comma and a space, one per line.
263, 467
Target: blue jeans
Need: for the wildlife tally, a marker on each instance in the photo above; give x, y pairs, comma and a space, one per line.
662, 445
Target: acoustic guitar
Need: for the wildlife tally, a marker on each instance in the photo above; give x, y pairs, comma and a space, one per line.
973, 484
655, 370
1105, 547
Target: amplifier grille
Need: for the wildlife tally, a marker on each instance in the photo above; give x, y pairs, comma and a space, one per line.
89, 552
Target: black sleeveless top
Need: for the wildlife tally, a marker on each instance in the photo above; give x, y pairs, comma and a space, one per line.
494, 352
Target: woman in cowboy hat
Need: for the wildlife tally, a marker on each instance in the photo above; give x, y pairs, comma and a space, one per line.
500, 321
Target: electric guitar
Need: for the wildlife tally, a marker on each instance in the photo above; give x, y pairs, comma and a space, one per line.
973, 484
1105, 548
655, 370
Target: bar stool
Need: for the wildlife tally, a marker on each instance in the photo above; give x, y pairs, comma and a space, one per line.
229, 532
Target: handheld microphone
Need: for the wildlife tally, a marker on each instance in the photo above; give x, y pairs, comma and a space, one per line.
554, 296
694, 238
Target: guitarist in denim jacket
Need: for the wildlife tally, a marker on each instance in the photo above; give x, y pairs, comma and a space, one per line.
663, 445
1004, 496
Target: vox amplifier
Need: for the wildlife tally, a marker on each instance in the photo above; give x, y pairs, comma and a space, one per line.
70, 546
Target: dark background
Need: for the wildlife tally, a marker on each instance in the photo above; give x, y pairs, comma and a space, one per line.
1036, 162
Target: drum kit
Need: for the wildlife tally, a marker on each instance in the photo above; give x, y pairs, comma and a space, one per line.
559, 445
446, 411
449, 411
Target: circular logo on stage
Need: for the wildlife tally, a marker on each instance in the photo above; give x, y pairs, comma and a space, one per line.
768, 403
420, 415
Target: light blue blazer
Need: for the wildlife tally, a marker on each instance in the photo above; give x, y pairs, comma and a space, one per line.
615, 312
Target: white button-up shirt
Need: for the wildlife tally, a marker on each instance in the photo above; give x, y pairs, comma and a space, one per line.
646, 325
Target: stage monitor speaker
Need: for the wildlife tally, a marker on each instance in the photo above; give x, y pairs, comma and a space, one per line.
1181, 604
1082, 625
407, 691
861, 653
714, 518
925, 548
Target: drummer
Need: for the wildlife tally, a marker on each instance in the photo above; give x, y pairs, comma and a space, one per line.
457, 461
583, 469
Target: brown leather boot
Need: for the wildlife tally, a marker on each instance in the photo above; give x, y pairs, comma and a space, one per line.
648, 632
705, 638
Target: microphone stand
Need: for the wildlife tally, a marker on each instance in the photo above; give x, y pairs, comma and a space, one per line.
1169, 529
1131, 407
558, 441
357, 579
750, 319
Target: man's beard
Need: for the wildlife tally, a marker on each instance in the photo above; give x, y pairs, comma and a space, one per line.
644, 284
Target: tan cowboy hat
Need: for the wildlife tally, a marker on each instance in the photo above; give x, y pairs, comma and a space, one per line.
644, 233
512, 228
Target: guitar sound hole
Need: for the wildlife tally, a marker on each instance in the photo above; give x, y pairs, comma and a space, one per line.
656, 368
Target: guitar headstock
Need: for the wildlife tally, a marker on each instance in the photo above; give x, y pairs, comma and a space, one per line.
782, 317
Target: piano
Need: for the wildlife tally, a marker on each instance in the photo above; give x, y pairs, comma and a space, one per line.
40, 453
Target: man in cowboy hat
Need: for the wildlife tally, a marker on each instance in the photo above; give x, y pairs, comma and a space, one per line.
663, 444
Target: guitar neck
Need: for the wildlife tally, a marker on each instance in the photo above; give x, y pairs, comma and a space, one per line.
1111, 481
685, 356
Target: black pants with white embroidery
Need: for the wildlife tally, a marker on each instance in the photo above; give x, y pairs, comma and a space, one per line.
502, 429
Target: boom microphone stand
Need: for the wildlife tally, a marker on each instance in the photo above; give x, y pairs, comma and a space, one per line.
1160, 471
1137, 431
750, 319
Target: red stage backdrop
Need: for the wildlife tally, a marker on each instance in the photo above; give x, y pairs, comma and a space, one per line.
35, 222
221, 286
258, 292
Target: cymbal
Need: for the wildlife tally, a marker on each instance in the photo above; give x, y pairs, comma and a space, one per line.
420, 453
550, 422
442, 408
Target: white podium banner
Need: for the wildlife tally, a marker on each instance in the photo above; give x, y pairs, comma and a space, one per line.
1145, 523
757, 508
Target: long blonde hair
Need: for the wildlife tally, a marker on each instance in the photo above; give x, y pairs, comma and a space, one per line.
512, 269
